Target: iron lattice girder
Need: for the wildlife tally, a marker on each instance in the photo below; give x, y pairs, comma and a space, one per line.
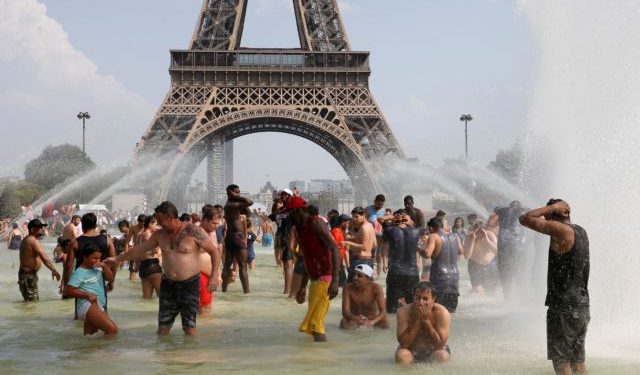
219, 92
220, 25
320, 26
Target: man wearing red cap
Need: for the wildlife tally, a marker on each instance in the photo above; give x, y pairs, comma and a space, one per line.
321, 259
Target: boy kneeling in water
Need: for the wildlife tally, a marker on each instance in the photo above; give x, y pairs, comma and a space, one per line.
87, 284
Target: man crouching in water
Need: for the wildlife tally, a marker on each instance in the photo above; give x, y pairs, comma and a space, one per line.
180, 244
423, 329
363, 303
567, 285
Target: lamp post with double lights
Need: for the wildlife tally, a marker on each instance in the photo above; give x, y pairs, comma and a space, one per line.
466, 118
83, 116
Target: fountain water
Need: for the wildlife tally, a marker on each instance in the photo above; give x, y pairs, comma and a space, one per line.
587, 104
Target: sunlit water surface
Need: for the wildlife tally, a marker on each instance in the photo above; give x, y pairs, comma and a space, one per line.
257, 334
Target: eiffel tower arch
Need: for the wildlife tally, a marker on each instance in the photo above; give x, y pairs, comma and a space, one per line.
220, 92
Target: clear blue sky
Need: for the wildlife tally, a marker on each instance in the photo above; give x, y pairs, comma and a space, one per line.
431, 61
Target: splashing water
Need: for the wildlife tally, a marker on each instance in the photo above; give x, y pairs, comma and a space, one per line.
587, 103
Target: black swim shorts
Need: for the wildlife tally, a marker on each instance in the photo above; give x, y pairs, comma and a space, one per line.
179, 297
566, 332
149, 267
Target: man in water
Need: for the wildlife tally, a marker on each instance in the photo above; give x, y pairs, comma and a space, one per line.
236, 213
403, 276
180, 243
416, 214
31, 258
321, 259
375, 214
70, 231
363, 303
510, 246
423, 329
363, 244
444, 275
567, 285
480, 248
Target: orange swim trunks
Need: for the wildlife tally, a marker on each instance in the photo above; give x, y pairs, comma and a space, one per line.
206, 297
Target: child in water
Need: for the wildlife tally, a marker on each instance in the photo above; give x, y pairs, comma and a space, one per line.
87, 285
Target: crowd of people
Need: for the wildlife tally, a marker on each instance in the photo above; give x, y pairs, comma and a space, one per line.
183, 259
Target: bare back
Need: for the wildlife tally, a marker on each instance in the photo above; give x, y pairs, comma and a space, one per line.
365, 236
70, 232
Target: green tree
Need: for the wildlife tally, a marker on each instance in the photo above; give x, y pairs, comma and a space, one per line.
9, 202
55, 164
508, 163
28, 192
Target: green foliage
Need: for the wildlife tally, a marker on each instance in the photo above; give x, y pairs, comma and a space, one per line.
508, 163
28, 192
9, 201
56, 164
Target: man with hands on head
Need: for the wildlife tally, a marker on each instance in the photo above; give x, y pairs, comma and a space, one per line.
180, 244
423, 329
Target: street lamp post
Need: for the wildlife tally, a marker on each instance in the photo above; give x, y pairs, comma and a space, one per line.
83, 116
466, 118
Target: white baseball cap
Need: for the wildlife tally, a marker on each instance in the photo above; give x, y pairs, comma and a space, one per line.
365, 269
288, 191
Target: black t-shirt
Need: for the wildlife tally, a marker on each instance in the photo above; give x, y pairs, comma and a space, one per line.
403, 249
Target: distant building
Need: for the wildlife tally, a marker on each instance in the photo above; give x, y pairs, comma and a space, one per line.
322, 185
300, 184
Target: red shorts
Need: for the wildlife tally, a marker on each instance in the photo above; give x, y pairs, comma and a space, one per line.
206, 297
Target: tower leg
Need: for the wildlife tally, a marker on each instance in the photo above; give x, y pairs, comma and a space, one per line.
219, 169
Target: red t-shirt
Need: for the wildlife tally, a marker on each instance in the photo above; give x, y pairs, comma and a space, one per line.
338, 236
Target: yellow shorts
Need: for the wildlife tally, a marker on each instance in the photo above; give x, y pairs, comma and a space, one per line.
318, 307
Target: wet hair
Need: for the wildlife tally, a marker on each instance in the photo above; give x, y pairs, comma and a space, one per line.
89, 221
408, 198
472, 217
218, 207
232, 187
332, 216
141, 218
103, 231
207, 212
167, 208
123, 223
358, 211
423, 286
553, 201
434, 223
379, 198
401, 211
15, 226
185, 217
148, 220
440, 214
75, 217
195, 217
456, 220
313, 210
88, 250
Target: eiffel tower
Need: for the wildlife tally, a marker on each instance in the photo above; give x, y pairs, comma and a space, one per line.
220, 91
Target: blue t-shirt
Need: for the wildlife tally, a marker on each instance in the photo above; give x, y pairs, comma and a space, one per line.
89, 281
373, 215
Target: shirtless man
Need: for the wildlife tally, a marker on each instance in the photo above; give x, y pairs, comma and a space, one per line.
180, 244
480, 249
363, 303
423, 329
31, 258
363, 243
236, 212
70, 231
211, 219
